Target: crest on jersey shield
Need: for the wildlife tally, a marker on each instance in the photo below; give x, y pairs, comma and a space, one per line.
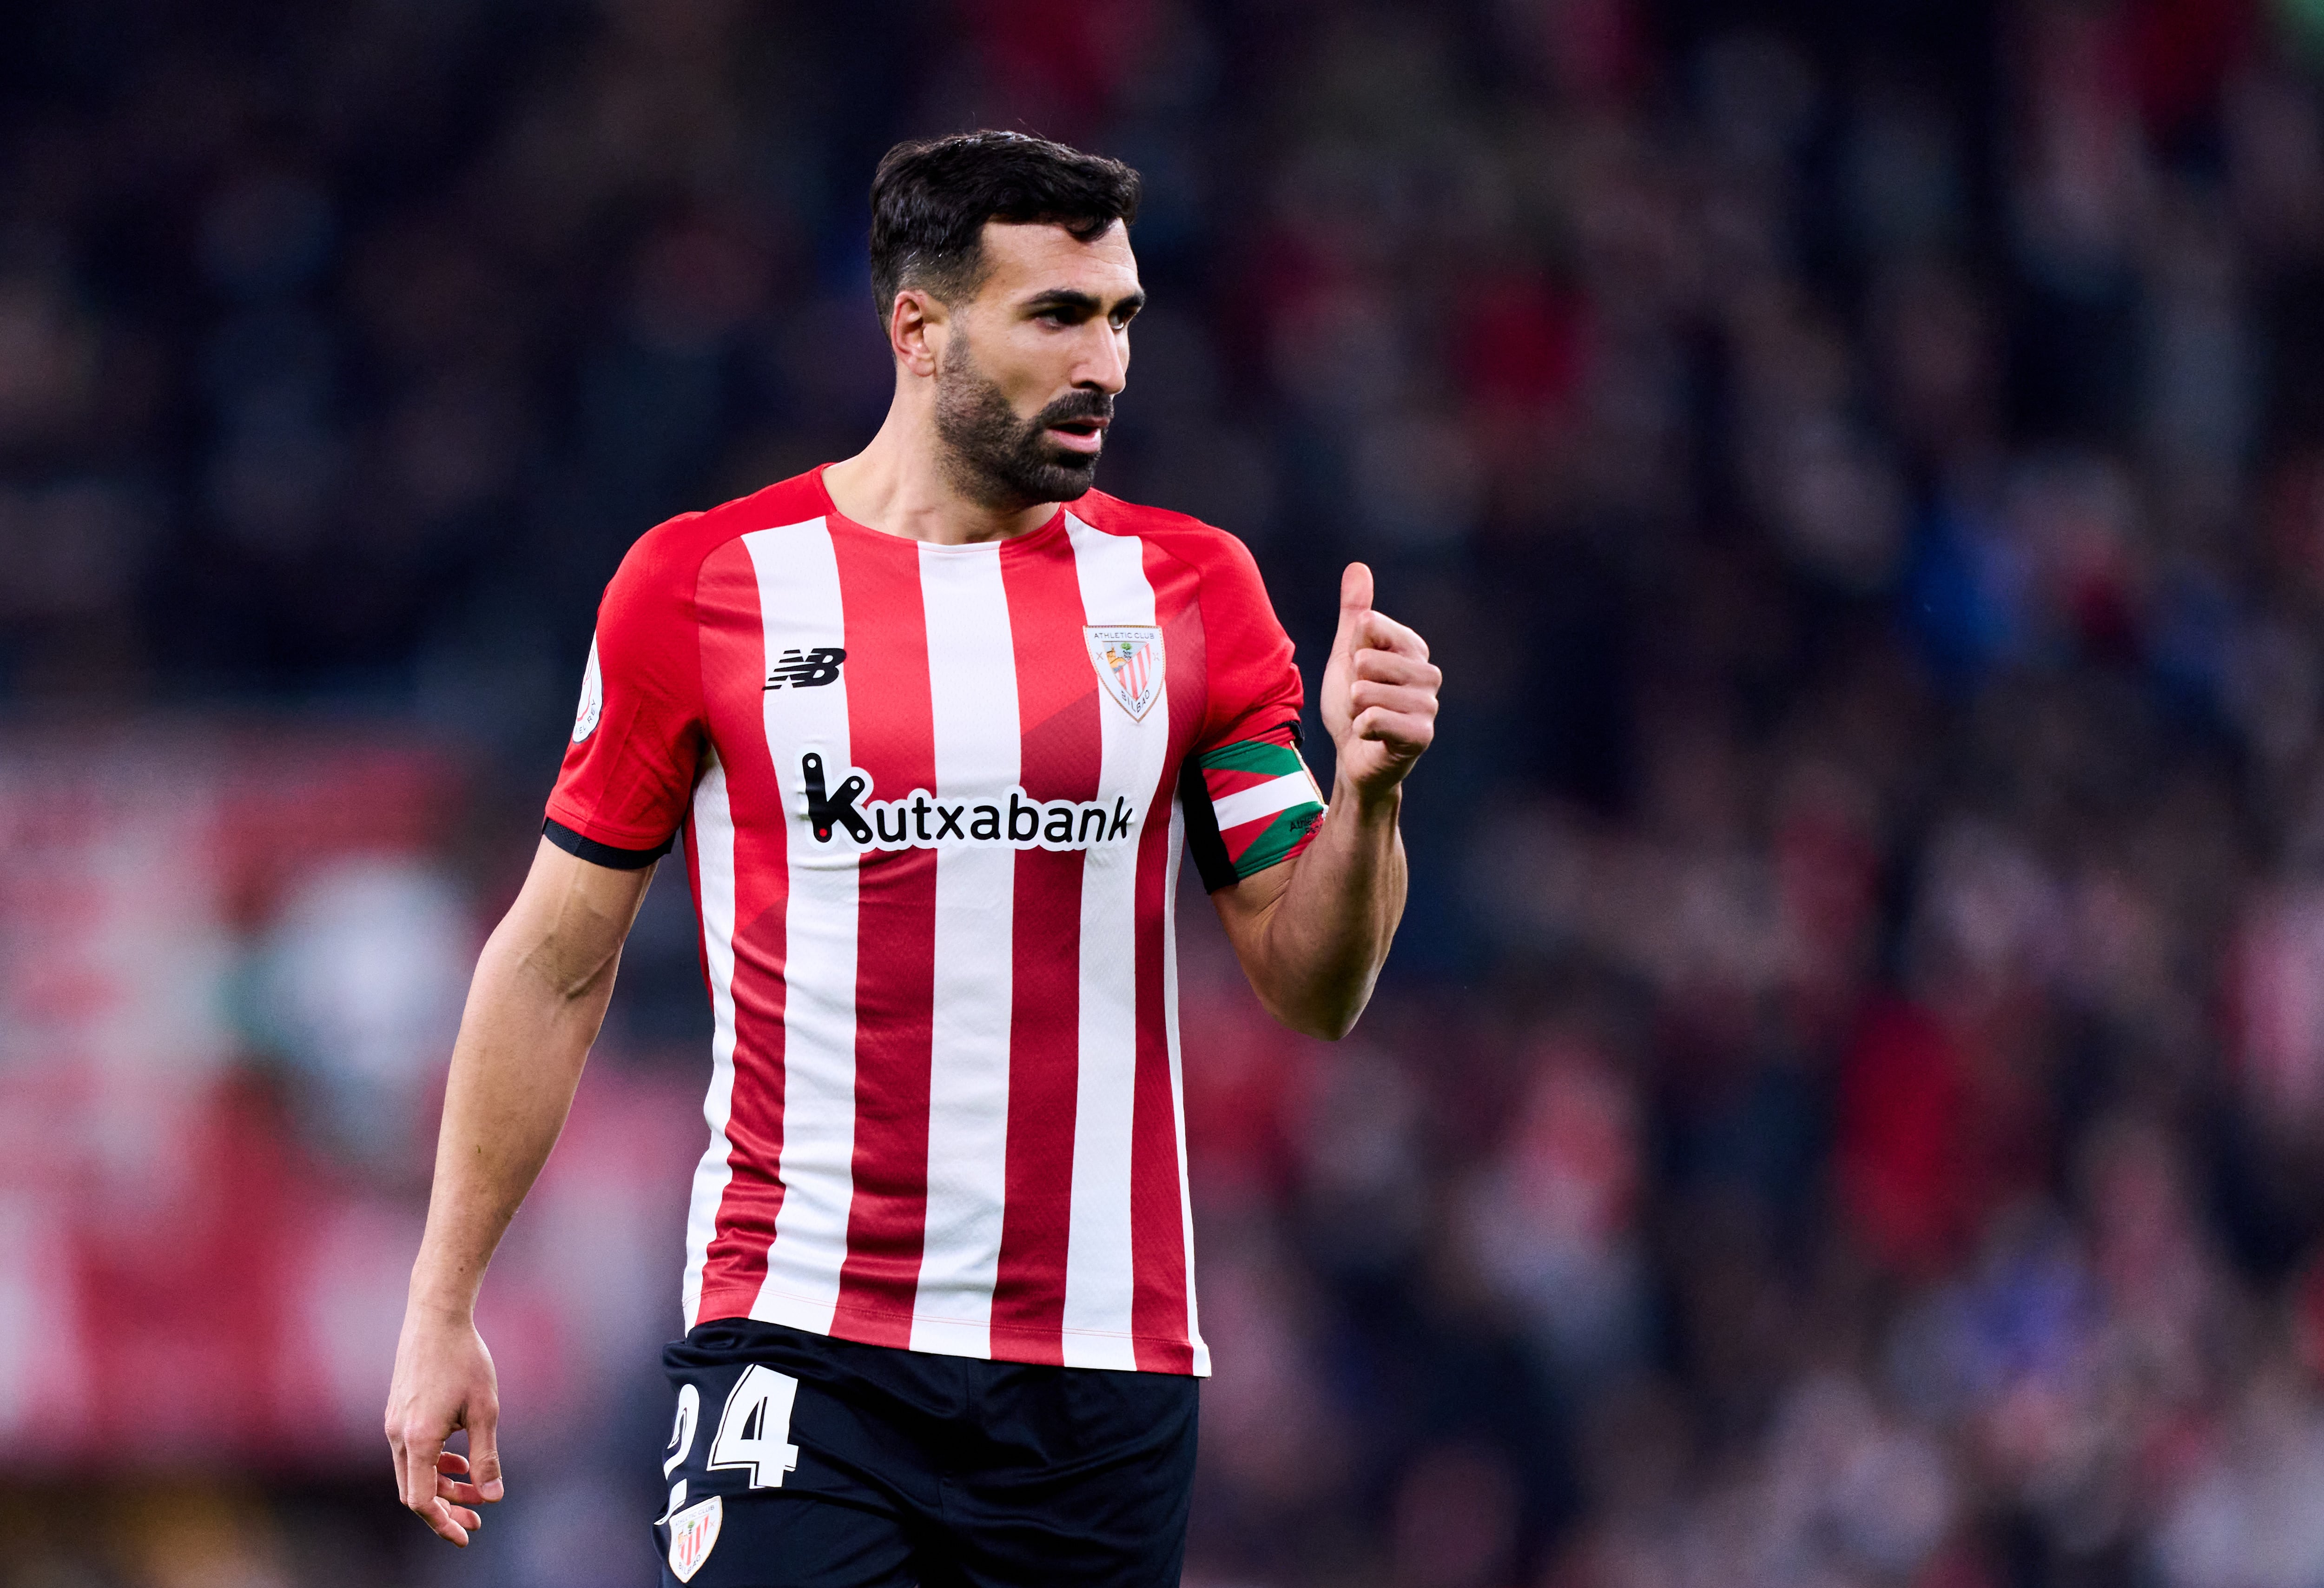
693, 1534
1129, 664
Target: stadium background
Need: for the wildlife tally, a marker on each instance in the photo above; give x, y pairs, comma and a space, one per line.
1848, 1102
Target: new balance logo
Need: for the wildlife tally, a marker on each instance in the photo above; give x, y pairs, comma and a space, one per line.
919, 820
808, 670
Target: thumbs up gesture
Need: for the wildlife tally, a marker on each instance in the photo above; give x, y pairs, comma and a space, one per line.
1379, 691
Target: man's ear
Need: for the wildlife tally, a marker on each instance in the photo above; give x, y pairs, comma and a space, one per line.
916, 330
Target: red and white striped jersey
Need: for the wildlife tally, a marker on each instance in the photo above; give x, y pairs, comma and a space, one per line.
933, 799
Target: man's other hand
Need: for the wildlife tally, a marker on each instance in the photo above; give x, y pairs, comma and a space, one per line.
444, 1381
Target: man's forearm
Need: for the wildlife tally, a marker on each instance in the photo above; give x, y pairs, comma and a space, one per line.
1327, 937
538, 995
523, 1037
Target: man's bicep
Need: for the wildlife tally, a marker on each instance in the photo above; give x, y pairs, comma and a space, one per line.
572, 915
1245, 907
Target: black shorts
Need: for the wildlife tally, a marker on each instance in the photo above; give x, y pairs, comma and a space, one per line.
802, 1461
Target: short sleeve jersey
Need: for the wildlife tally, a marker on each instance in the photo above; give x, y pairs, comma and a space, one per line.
932, 801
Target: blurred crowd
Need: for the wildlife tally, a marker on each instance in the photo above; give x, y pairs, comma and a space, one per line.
1848, 1104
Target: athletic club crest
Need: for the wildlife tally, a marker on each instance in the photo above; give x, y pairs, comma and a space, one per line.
1129, 664
693, 1534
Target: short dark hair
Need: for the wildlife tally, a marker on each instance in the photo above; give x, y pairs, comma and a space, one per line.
931, 199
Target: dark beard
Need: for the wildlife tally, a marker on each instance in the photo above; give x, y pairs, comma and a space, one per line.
1002, 462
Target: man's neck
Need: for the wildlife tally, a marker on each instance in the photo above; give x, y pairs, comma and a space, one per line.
898, 484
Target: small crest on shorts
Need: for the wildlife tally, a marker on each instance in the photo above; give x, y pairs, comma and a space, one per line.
1129, 664
693, 1534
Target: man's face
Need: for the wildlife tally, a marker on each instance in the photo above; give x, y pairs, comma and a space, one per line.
1029, 370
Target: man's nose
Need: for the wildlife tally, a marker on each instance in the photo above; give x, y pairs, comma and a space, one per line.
1105, 366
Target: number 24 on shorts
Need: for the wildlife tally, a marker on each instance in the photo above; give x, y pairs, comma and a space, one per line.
753, 1432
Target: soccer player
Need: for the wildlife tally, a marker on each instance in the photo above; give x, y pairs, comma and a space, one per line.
937, 722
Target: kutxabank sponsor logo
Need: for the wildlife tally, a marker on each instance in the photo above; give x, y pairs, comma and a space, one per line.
920, 820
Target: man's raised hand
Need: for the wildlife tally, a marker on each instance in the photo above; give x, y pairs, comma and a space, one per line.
1379, 691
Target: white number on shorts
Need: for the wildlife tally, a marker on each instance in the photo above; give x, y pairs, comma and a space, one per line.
681, 1436
754, 1430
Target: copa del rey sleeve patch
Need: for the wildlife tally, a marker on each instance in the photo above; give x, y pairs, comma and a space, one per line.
1128, 663
693, 1534
593, 697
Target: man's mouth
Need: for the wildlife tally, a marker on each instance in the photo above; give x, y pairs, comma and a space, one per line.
1079, 435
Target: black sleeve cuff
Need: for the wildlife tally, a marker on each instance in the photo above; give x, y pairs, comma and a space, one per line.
604, 854
1202, 840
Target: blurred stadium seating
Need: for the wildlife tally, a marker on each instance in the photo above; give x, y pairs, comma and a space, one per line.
1848, 1105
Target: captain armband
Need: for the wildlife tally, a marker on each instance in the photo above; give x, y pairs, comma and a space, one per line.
1249, 805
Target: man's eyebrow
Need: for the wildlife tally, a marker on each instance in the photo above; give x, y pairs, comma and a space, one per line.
1066, 298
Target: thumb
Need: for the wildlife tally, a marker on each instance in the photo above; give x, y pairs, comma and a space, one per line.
1355, 600
485, 1453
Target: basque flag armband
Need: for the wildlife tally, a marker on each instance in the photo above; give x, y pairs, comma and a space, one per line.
1249, 805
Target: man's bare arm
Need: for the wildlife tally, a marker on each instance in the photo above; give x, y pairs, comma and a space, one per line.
1312, 932
533, 1009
